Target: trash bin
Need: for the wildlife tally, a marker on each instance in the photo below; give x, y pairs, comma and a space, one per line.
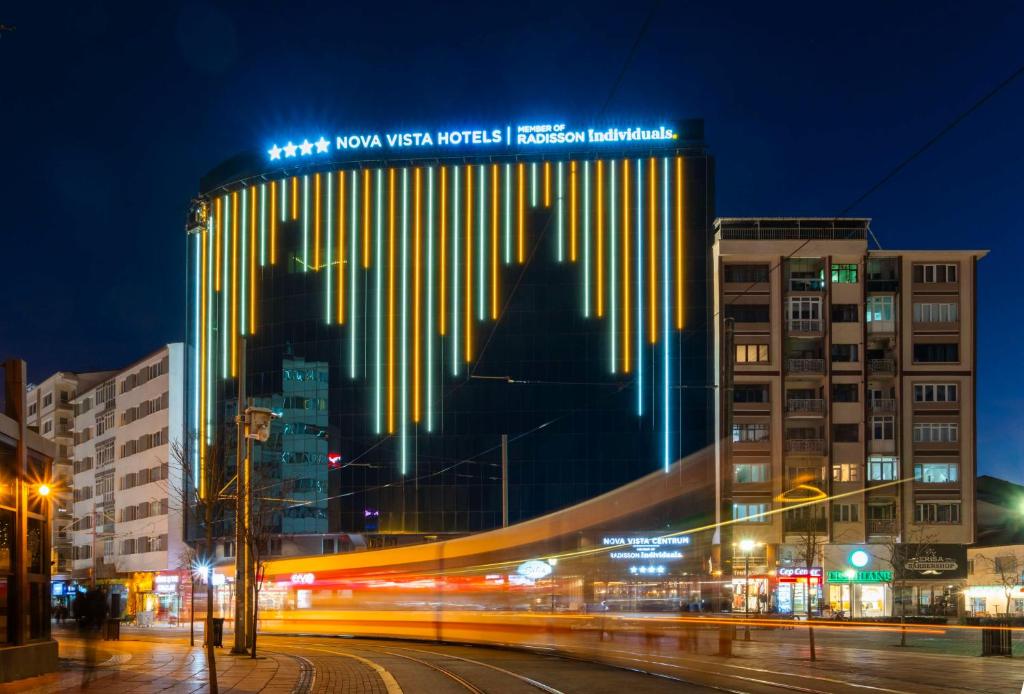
217, 632
995, 641
112, 632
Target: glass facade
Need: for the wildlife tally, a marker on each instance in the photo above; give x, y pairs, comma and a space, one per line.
401, 317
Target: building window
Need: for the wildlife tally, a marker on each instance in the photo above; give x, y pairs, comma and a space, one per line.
47, 399
883, 427
32, 409
747, 313
935, 392
933, 274
751, 473
845, 472
844, 273
751, 354
937, 512
883, 468
845, 353
879, 308
940, 352
748, 274
47, 426
845, 513
845, 392
936, 313
936, 473
936, 432
844, 313
846, 433
749, 433
751, 513
803, 313
750, 392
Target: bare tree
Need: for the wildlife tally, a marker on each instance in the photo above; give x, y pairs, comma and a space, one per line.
809, 526
1006, 568
266, 508
898, 553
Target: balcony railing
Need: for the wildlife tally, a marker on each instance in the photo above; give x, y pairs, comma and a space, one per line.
882, 405
804, 325
882, 366
812, 446
806, 366
881, 327
804, 525
881, 526
806, 284
805, 406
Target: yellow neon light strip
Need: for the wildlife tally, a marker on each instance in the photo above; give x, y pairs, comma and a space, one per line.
216, 243
469, 262
391, 301
494, 241
417, 231
234, 283
572, 212
273, 222
547, 184
652, 243
444, 255
252, 261
521, 214
626, 342
341, 247
316, 223
679, 243
600, 238
366, 218
295, 197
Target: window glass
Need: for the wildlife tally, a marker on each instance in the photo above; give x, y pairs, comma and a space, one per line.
844, 273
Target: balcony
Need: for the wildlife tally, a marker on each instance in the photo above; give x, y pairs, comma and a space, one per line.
882, 367
806, 284
805, 525
804, 325
805, 407
882, 405
806, 446
881, 327
881, 526
805, 366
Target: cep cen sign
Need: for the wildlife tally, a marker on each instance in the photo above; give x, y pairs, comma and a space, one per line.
519, 137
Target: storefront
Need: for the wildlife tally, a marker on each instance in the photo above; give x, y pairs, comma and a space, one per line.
931, 579
166, 599
859, 581
755, 589
641, 572
798, 585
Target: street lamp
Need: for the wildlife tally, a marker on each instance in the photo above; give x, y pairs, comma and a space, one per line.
43, 490
746, 546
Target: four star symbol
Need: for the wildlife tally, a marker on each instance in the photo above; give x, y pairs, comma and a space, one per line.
274, 152
289, 149
306, 147
321, 144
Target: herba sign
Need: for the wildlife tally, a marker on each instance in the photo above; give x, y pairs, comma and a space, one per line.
520, 136
645, 548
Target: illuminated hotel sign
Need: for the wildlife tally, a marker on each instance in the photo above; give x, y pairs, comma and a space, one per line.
509, 137
645, 548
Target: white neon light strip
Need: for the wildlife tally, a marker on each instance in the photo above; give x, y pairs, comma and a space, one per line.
481, 264
667, 309
430, 299
226, 279
209, 340
328, 284
405, 318
263, 224
561, 216
377, 319
533, 184
586, 239
508, 214
305, 223
197, 280
639, 287
353, 268
613, 264
456, 244
243, 263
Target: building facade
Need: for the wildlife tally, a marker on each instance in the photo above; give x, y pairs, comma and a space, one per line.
127, 490
402, 308
51, 413
844, 373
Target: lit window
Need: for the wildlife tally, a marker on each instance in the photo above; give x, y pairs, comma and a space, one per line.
883, 468
751, 354
936, 473
939, 512
751, 512
845, 472
844, 273
751, 473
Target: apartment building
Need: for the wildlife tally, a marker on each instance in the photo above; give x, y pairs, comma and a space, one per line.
127, 510
844, 373
50, 412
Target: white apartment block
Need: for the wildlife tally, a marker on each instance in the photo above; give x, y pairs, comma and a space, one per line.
126, 495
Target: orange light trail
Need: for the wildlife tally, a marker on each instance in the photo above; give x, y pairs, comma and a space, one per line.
341, 247
417, 231
679, 243
521, 216
626, 342
366, 218
391, 301
469, 262
295, 197
442, 324
494, 241
252, 261
547, 184
572, 212
234, 283
653, 251
273, 222
600, 238
316, 223
219, 225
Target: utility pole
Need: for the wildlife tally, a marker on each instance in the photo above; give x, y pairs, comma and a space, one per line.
504, 480
241, 465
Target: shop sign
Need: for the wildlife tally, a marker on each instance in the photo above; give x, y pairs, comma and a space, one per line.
933, 561
859, 576
305, 579
534, 569
799, 572
166, 583
645, 548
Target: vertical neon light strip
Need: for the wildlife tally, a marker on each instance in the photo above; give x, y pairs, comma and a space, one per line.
391, 301
586, 239
481, 265
222, 324
273, 223
284, 200
242, 282
209, 340
341, 248
495, 193
199, 358
547, 184
573, 231
533, 184
639, 287
613, 264
328, 284
429, 333
234, 283
442, 306
679, 243
665, 294
405, 320
560, 216
252, 263
316, 225
417, 225
305, 223
600, 238
469, 264
652, 270
263, 224
508, 214
456, 244
295, 198
521, 216
366, 214
379, 236
353, 229
627, 359
218, 218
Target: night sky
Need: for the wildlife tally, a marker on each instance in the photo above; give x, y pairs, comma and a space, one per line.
110, 113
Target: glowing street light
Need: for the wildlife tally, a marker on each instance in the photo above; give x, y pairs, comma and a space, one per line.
43, 490
746, 546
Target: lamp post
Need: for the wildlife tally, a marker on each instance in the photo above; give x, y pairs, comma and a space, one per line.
746, 546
